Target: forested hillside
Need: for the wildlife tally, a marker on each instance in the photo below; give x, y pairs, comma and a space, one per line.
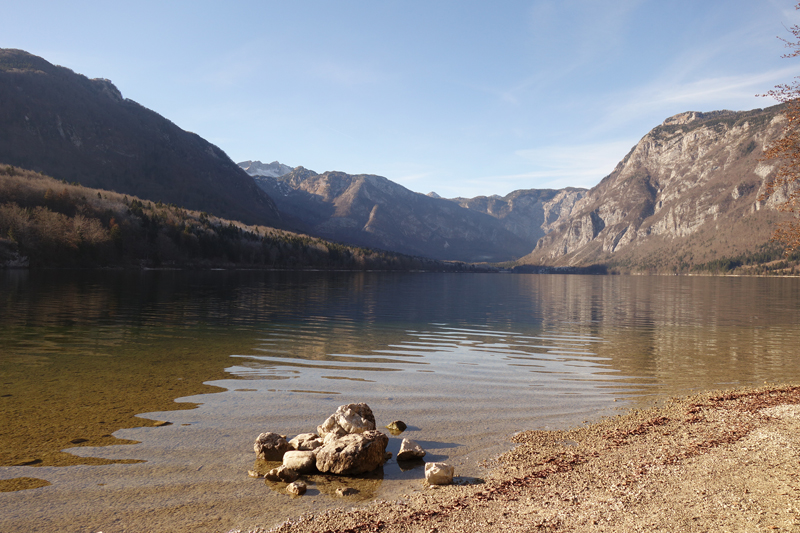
49, 223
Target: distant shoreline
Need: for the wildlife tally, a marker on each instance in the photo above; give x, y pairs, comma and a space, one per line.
569, 271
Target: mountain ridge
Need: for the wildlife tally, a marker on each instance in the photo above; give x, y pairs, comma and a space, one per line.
687, 193
371, 210
528, 213
68, 126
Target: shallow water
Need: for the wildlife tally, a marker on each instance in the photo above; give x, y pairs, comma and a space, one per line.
465, 359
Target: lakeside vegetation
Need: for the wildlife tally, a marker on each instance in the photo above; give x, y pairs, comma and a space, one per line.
771, 259
46, 223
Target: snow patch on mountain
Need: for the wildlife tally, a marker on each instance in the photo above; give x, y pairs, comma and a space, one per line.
272, 170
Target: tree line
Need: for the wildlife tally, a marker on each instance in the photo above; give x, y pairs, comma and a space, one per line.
48, 223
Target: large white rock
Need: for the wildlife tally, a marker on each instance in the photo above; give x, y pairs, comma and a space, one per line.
410, 450
330, 428
439, 473
302, 462
352, 454
348, 419
356, 420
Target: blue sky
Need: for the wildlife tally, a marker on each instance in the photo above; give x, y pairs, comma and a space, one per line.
464, 98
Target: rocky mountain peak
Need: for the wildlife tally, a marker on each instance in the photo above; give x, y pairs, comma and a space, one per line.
683, 196
692, 116
108, 89
272, 170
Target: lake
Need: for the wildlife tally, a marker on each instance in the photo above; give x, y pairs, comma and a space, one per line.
203, 362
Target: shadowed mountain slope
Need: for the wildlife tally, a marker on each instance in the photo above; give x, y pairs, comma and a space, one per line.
63, 124
369, 210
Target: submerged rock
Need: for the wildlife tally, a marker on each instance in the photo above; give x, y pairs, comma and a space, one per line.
410, 450
282, 473
271, 447
346, 491
348, 419
439, 473
353, 454
297, 488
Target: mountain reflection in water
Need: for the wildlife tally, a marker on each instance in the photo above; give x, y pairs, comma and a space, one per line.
464, 359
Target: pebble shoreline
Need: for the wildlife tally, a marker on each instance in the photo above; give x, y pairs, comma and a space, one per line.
718, 461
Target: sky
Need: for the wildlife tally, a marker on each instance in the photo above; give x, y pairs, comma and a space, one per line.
464, 98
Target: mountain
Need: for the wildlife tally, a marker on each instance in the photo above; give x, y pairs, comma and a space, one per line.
45, 223
687, 194
77, 129
369, 210
529, 213
272, 170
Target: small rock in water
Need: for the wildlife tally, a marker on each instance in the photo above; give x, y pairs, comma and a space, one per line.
397, 427
271, 447
253, 473
287, 475
410, 450
346, 491
439, 473
297, 488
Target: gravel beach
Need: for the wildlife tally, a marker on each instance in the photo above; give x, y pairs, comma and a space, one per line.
719, 461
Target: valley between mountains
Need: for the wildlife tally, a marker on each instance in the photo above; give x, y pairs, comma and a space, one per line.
687, 198
688, 195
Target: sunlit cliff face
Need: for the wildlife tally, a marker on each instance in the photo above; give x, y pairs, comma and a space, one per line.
688, 191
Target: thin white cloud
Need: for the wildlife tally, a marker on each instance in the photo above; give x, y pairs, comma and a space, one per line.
552, 167
567, 36
581, 163
723, 88
662, 98
703, 78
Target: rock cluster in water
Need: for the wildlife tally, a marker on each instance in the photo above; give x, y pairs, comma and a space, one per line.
347, 443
